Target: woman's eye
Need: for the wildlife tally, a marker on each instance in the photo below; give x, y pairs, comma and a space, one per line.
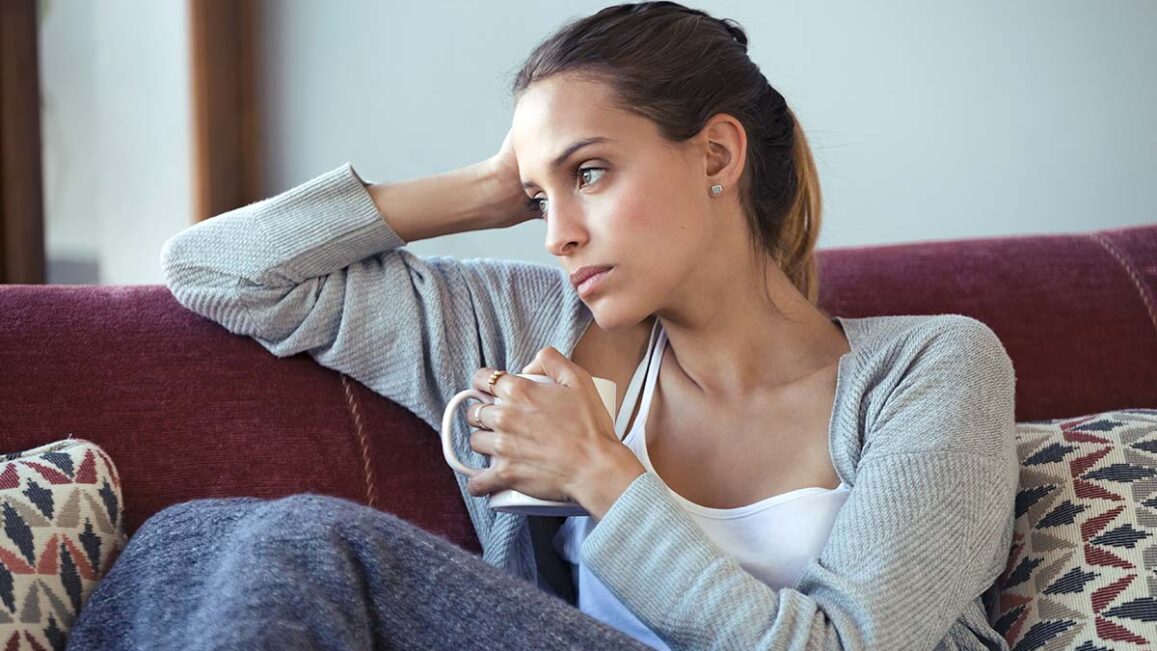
584, 175
584, 170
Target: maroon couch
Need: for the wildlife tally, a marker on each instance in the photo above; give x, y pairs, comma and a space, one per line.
187, 410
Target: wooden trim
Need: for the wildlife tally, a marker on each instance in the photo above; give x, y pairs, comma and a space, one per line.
22, 255
222, 49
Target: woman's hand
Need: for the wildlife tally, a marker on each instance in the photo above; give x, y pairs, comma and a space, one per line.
553, 441
512, 206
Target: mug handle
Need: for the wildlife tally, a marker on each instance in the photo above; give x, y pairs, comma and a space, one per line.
447, 430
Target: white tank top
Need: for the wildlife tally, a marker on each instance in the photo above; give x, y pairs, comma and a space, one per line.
771, 539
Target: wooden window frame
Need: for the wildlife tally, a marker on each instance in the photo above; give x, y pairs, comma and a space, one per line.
222, 47
226, 166
22, 244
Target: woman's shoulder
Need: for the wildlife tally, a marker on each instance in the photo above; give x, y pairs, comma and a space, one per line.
933, 332
913, 374
539, 292
504, 269
899, 345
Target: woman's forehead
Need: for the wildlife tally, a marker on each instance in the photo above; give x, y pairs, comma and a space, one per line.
563, 108
553, 114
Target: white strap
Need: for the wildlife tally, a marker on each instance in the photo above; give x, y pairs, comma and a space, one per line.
635, 386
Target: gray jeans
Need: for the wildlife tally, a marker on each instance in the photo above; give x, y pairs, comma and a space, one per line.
314, 572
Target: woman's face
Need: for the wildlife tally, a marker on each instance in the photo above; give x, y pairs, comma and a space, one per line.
633, 201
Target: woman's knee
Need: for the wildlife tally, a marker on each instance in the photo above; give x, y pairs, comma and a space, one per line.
306, 507
195, 513
311, 514
291, 520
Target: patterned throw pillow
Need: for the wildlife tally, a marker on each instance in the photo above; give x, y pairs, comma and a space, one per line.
1082, 571
60, 511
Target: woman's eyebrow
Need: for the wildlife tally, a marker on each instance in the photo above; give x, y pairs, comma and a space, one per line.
566, 153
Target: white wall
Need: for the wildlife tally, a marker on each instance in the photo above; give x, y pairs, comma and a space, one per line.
115, 124
928, 120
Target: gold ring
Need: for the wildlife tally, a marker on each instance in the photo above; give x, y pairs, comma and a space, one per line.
494, 378
478, 414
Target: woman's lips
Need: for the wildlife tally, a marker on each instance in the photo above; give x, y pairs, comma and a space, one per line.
586, 272
592, 283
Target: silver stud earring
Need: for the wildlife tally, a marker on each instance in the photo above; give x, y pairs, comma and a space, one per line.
716, 190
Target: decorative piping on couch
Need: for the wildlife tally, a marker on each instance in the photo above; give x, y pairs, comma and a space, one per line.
1133, 275
360, 433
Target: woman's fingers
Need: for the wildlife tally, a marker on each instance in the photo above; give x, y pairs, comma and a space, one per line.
503, 385
482, 441
491, 478
475, 415
482, 484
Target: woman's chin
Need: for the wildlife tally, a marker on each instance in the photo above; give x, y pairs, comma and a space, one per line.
611, 320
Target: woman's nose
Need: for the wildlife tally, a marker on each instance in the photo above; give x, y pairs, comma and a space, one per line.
564, 228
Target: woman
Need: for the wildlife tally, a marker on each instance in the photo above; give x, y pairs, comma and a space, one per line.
789, 480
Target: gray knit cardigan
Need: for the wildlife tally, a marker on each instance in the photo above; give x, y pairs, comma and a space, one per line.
922, 428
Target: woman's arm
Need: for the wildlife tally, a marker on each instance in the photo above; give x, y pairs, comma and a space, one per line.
454, 202
320, 269
476, 197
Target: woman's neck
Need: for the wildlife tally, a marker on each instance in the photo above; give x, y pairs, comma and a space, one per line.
731, 344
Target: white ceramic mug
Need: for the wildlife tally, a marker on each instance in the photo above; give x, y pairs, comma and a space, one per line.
511, 501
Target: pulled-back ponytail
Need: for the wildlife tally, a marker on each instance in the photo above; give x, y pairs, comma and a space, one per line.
801, 224
678, 67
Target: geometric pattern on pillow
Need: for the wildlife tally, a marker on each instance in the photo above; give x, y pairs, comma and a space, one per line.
1082, 569
60, 515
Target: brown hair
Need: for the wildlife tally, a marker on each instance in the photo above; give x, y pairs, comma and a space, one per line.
678, 67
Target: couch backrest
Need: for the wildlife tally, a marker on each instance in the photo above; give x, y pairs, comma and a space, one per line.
186, 409
1076, 312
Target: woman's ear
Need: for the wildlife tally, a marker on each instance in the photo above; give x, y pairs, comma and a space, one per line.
726, 149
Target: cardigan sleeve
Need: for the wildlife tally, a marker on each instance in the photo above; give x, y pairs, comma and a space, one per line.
317, 269
923, 533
